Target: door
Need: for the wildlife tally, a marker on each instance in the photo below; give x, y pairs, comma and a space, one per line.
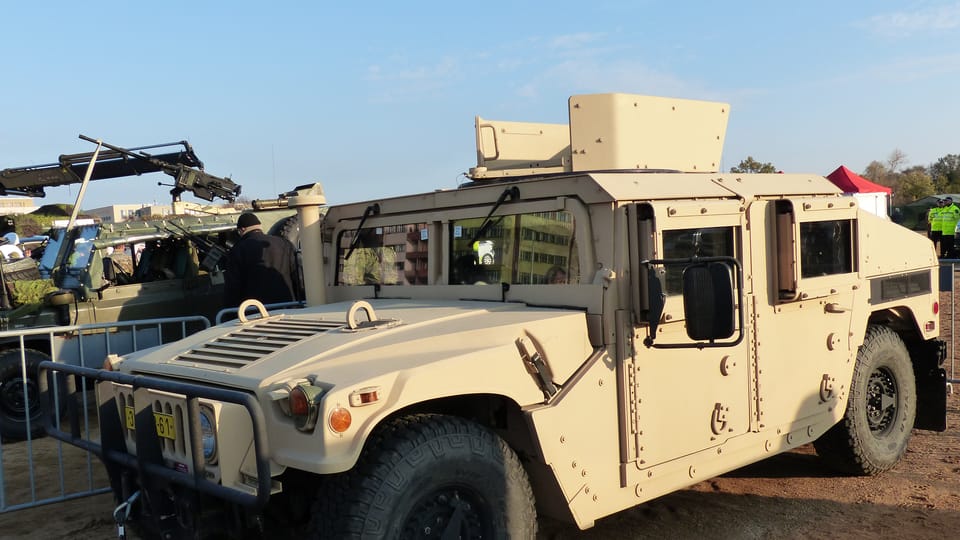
690, 398
803, 322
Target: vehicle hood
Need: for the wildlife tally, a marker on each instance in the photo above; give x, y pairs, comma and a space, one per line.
317, 342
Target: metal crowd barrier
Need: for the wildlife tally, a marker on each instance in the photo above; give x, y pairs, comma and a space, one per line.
29, 464
948, 277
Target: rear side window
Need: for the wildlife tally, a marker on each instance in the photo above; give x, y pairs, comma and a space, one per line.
826, 248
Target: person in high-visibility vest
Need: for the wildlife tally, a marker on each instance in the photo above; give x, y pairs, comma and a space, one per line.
933, 224
949, 216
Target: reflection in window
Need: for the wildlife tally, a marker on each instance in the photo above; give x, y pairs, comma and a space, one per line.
688, 243
825, 248
523, 249
392, 255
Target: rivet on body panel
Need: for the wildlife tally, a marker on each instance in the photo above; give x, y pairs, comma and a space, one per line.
638, 491
692, 471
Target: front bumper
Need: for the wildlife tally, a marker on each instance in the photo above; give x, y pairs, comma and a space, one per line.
139, 456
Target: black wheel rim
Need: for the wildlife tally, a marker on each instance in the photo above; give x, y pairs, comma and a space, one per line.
882, 401
13, 402
454, 512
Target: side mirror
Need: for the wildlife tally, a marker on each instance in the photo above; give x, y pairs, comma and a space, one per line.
709, 304
711, 311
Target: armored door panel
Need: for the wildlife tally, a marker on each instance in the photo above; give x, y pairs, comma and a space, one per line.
689, 399
686, 397
803, 323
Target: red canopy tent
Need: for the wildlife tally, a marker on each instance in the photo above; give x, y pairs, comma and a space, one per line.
851, 182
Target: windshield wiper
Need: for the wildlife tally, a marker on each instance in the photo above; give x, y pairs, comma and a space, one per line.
371, 210
512, 193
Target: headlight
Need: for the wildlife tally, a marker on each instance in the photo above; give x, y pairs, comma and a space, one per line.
208, 434
305, 405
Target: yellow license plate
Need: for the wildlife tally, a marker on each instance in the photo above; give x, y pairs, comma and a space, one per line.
166, 425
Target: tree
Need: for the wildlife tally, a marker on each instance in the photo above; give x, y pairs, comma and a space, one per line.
878, 173
751, 165
912, 184
896, 160
946, 174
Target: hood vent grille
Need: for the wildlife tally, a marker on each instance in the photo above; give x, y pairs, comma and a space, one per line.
255, 341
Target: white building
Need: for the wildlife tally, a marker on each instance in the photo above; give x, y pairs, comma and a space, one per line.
16, 205
117, 213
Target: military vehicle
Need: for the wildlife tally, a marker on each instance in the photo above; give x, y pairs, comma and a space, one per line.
635, 329
109, 272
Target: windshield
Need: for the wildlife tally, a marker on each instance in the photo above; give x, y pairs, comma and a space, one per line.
48, 260
78, 251
524, 249
79, 256
392, 255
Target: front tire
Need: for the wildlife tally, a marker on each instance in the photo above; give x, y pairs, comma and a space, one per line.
430, 476
14, 394
882, 407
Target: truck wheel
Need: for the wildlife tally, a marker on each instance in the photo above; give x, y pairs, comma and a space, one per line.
875, 430
13, 394
430, 476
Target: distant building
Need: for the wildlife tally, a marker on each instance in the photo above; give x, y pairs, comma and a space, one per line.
16, 205
117, 213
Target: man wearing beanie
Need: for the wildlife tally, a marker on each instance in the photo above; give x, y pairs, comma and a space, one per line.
260, 266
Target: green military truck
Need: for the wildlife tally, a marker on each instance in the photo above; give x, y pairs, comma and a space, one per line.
630, 328
110, 272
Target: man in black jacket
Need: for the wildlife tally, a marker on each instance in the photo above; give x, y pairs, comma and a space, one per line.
260, 266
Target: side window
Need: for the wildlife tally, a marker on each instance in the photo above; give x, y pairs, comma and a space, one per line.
687, 243
825, 248
524, 249
390, 255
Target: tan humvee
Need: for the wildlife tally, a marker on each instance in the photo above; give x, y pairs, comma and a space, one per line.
597, 319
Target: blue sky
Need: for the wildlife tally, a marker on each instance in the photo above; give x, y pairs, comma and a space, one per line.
378, 98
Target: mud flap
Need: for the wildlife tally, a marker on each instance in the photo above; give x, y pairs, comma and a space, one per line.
931, 385
932, 400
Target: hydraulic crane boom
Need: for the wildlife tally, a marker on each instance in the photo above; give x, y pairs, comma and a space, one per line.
114, 162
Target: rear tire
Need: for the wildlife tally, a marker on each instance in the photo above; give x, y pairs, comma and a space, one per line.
882, 407
428, 476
